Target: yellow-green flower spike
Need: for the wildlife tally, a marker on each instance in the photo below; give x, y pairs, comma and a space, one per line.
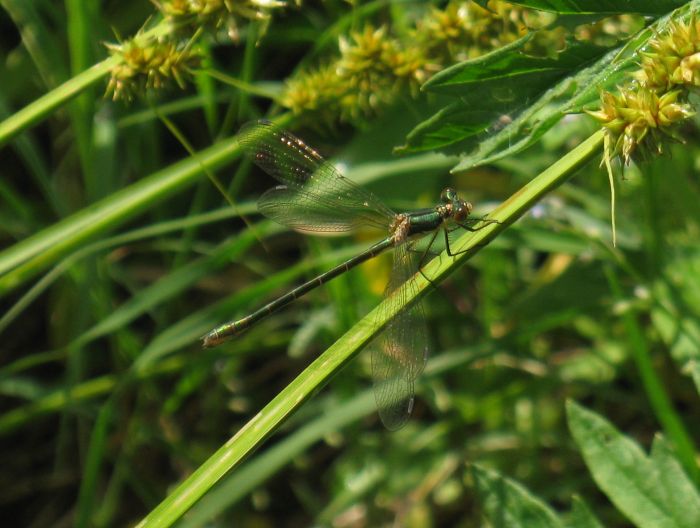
672, 58
218, 14
151, 66
318, 92
375, 67
638, 119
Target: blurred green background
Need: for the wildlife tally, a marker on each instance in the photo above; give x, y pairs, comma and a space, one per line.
108, 400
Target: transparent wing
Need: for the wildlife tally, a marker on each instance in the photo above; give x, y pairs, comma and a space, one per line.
300, 211
308, 179
399, 353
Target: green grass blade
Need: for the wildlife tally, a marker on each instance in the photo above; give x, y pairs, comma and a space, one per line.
89, 487
41, 43
266, 465
169, 287
259, 470
42, 107
61, 399
82, 17
130, 237
316, 375
659, 399
29, 257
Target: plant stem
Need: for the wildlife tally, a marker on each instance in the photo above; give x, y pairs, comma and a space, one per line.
659, 399
316, 375
29, 257
42, 107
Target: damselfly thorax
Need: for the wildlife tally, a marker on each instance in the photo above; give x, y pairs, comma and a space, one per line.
315, 198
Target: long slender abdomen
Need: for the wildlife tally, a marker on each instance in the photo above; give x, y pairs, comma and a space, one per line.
229, 330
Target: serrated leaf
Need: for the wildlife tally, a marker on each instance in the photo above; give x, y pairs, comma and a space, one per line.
619, 466
570, 95
518, 122
602, 7
507, 503
454, 128
508, 74
488, 112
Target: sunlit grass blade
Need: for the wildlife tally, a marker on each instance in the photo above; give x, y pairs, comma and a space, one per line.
257, 471
31, 256
43, 107
318, 373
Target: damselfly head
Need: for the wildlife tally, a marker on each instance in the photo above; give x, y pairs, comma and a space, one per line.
459, 209
448, 195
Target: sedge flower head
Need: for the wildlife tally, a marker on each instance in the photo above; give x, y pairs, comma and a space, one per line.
673, 57
638, 119
218, 14
151, 66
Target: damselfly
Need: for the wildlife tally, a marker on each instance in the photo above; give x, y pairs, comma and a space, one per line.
315, 198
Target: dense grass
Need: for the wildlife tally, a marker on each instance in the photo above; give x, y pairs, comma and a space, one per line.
129, 230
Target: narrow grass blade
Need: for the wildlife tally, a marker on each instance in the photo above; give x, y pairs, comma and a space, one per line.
31, 256
45, 105
316, 375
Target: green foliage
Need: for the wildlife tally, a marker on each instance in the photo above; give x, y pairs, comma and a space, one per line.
508, 504
129, 230
491, 91
603, 7
650, 490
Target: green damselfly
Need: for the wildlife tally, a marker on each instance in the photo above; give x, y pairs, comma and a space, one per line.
315, 198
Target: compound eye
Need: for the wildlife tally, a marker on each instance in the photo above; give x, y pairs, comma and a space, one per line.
447, 195
462, 210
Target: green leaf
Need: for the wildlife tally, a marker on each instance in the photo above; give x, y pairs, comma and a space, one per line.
492, 90
318, 373
455, 128
507, 503
507, 74
682, 495
695, 371
602, 7
630, 479
512, 127
582, 516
